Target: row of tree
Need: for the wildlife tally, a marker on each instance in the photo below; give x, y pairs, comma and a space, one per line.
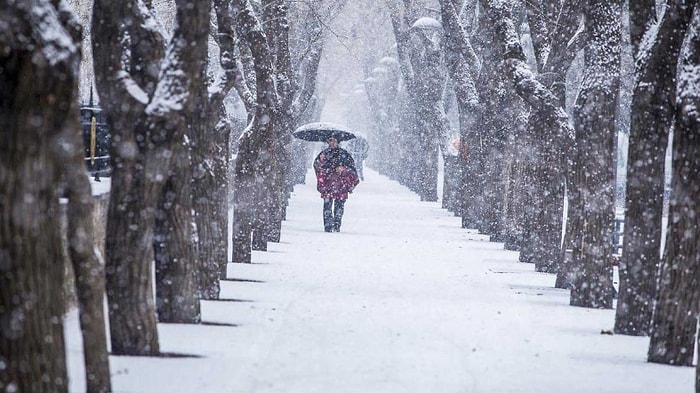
163, 93
523, 154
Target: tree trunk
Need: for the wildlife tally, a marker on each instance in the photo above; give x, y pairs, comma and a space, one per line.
256, 158
175, 255
652, 113
537, 95
210, 196
675, 316
86, 259
555, 24
37, 94
132, 199
129, 255
594, 116
83, 250
144, 142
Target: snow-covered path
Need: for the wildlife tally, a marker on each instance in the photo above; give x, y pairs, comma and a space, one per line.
401, 300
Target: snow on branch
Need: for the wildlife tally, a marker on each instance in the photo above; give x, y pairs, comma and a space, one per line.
131, 87
171, 93
689, 72
57, 44
517, 70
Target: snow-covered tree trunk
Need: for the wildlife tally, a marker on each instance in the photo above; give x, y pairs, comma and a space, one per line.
420, 59
256, 157
146, 101
209, 191
39, 61
428, 67
128, 246
210, 135
675, 316
548, 105
462, 64
594, 117
182, 80
557, 22
211, 151
653, 106
176, 262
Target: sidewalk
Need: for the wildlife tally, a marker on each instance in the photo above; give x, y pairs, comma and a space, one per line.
401, 300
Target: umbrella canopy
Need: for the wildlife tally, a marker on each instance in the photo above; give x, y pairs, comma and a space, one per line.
321, 132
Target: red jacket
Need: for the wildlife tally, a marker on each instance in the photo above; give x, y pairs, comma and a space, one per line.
336, 175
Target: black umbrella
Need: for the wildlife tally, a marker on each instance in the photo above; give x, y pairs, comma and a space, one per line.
321, 132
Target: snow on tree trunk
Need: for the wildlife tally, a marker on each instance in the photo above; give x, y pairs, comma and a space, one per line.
675, 316
180, 81
594, 116
462, 64
128, 245
652, 116
145, 103
542, 100
427, 62
552, 27
421, 62
256, 162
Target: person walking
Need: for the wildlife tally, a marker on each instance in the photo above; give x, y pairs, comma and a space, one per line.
336, 177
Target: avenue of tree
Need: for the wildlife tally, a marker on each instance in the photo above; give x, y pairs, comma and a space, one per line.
522, 100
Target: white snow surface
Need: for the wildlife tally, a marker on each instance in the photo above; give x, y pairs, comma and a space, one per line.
401, 300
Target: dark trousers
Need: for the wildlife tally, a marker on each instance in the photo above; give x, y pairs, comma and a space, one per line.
332, 214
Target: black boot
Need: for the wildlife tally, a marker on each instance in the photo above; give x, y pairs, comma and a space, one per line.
338, 210
327, 215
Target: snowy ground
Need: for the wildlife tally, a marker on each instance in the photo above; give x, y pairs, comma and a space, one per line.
402, 300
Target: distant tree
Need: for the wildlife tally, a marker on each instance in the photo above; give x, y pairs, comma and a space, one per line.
420, 56
594, 163
295, 64
39, 61
653, 106
674, 323
463, 64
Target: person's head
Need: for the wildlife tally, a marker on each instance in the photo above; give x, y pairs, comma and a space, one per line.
332, 142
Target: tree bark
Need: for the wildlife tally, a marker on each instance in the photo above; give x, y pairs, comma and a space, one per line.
539, 96
183, 80
145, 108
38, 77
87, 261
462, 65
675, 315
128, 248
594, 116
655, 88
255, 159
558, 22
